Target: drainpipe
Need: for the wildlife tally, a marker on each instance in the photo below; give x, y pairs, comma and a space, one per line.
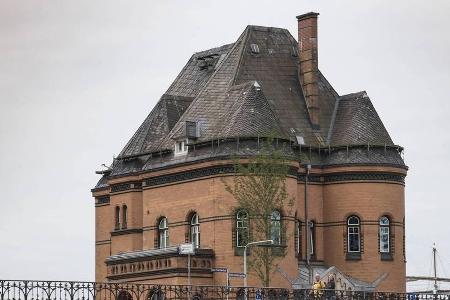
307, 169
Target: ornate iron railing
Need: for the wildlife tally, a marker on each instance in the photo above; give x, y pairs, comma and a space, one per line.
70, 290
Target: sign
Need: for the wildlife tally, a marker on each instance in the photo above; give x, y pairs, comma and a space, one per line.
186, 249
221, 270
239, 275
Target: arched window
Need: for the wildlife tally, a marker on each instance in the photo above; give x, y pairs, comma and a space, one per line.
242, 232
384, 235
117, 219
275, 227
353, 234
163, 233
124, 217
195, 231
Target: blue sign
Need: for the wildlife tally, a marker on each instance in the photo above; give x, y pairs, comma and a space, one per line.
258, 295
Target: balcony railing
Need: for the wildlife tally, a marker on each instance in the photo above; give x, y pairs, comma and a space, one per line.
69, 290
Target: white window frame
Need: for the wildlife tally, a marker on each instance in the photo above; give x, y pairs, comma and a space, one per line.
384, 231
275, 227
163, 231
241, 226
195, 231
353, 229
180, 148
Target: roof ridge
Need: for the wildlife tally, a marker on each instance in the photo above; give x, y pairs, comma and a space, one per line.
245, 36
214, 49
354, 95
265, 28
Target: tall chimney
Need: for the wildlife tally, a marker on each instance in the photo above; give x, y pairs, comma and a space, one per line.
309, 70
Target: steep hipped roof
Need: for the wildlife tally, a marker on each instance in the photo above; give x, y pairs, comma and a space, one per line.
357, 122
174, 102
251, 88
157, 125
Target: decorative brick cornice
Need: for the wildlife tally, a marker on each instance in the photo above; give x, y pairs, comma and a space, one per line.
102, 200
353, 176
172, 271
230, 169
122, 187
189, 175
400, 178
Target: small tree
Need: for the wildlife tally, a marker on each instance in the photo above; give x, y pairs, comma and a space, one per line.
259, 186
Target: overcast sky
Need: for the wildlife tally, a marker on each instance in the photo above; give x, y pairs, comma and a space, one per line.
78, 77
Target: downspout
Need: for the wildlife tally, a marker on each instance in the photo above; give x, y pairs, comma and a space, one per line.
307, 169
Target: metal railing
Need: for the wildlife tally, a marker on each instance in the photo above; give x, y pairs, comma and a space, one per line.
70, 290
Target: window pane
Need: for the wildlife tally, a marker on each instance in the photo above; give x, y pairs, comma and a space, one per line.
353, 239
384, 239
384, 221
242, 232
275, 228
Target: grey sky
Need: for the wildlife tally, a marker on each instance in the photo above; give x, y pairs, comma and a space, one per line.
78, 77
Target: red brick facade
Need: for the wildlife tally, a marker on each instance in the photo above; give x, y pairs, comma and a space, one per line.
329, 205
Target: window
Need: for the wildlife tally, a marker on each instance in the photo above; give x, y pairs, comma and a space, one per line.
312, 237
181, 148
124, 217
117, 219
163, 231
384, 235
242, 232
353, 234
275, 227
298, 238
195, 231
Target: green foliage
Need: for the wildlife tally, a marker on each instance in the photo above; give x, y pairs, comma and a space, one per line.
259, 186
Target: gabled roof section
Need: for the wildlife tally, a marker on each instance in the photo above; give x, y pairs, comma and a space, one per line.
175, 101
214, 100
357, 122
250, 115
157, 125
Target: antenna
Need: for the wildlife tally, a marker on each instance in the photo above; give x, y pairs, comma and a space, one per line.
434, 267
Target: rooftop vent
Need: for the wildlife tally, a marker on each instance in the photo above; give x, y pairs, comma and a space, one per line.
192, 130
255, 48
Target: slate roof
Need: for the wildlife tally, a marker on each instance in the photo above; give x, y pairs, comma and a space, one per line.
231, 91
357, 122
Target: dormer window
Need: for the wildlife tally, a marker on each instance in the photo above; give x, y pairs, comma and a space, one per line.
181, 148
192, 130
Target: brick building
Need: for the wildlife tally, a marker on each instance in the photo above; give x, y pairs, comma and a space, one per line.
166, 186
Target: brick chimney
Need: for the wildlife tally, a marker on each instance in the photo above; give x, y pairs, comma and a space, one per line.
308, 59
